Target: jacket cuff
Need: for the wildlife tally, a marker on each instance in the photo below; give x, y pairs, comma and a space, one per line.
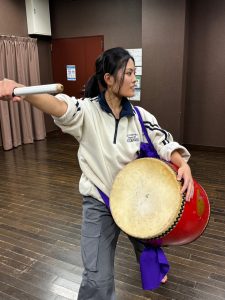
169, 148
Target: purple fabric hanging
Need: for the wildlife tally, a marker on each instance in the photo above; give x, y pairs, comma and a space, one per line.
154, 266
153, 262
146, 149
105, 198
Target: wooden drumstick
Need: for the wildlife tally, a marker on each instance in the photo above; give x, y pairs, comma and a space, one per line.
38, 89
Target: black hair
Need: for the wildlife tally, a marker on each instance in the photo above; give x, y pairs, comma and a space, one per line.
110, 61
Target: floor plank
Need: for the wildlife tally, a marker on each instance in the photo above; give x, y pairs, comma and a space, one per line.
40, 221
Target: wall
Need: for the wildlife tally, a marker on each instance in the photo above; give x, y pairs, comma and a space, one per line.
120, 24
205, 96
163, 35
183, 83
13, 17
183, 68
119, 21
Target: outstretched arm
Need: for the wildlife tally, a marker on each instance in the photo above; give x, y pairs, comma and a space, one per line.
45, 102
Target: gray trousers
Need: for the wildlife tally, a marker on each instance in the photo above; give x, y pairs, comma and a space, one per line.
99, 235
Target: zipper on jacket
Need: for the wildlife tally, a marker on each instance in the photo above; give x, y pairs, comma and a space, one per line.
116, 130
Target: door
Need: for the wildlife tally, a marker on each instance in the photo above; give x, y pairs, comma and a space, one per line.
75, 53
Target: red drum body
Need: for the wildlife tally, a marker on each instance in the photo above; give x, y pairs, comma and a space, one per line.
192, 223
146, 203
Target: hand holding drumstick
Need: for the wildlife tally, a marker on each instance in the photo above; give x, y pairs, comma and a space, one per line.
38, 96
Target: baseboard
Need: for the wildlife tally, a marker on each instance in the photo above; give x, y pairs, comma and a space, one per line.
56, 132
205, 148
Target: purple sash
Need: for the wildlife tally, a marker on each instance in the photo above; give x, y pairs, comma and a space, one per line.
153, 262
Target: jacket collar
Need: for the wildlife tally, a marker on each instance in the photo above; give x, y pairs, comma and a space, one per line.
127, 109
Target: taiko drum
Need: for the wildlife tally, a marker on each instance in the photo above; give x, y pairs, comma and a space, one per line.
146, 203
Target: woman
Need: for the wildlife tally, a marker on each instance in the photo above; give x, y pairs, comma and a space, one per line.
109, 134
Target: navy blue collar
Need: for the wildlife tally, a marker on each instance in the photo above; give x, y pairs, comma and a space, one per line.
127, 109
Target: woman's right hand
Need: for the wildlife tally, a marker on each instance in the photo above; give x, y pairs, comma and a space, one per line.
7, 87
45, 102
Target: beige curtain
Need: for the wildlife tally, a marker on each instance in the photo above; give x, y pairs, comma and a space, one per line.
20, 123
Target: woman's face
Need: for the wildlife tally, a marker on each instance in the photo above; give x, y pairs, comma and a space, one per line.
127, 88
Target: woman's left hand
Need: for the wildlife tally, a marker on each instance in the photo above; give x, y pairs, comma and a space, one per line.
184, 172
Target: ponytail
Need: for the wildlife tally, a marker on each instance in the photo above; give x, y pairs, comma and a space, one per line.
92, 87
110, 61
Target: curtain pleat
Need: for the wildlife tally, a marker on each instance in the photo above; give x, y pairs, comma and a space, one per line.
20, 123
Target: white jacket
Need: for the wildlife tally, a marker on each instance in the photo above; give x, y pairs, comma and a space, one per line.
106, 145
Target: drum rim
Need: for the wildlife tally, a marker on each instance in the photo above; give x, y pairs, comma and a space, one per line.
171, 168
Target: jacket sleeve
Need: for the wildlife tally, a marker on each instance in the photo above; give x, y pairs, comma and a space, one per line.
161, 139
72, 121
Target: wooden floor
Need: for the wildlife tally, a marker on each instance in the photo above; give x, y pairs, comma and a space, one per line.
40, 219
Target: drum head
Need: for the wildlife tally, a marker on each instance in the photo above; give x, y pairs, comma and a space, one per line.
145, 199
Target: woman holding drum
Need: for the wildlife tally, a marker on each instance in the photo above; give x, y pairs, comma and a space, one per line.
109, 133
